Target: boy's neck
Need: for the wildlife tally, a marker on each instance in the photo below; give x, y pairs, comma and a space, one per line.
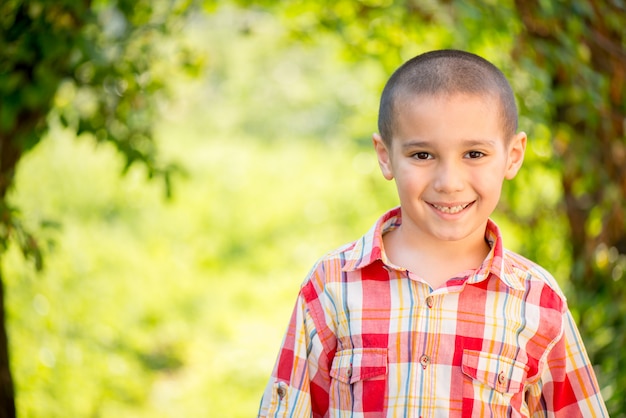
435, 261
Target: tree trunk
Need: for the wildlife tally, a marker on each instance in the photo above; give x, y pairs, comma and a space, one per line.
7, 401
9, 156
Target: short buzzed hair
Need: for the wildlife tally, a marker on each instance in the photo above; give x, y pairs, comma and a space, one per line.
446, 71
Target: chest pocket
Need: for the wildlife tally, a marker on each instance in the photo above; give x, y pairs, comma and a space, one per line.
496, 382
502, 374
359, 380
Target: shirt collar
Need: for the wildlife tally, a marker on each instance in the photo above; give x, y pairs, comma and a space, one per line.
369, 248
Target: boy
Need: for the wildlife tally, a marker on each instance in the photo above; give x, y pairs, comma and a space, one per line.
427, 315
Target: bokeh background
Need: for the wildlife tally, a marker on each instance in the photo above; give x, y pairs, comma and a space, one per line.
171, 170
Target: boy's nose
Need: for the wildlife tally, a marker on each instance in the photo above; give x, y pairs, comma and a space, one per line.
448, 178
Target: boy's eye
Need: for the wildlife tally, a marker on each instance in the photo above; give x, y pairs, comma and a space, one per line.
422, 155
475, 154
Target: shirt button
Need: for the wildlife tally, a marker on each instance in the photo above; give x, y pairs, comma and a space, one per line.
501, 378
281, 391
349, 371
429, 301
424, 361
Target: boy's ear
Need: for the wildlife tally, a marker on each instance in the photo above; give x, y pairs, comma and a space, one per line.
383, 154
516, 150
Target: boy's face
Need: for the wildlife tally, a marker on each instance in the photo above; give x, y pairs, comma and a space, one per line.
449, 158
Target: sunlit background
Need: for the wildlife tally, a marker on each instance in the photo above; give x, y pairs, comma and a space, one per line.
156, 307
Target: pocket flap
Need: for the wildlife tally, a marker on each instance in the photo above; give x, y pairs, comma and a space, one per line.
503, 374
353, 365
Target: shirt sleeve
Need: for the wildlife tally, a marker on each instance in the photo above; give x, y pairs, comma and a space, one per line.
567, 386
300, 380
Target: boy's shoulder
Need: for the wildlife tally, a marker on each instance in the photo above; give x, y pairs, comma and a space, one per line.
337, 257
356, 254
334, 265
529, 273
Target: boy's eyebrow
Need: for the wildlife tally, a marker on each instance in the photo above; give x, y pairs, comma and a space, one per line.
416, 144
479, 142
467, 143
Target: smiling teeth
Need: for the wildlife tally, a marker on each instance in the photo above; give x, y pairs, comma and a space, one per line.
450, 209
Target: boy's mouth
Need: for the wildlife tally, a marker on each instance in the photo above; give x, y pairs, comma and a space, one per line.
450, 209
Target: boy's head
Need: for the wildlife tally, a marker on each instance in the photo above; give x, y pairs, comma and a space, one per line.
448, 122
446, 72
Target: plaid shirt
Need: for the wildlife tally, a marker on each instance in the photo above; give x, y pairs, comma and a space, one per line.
367, 339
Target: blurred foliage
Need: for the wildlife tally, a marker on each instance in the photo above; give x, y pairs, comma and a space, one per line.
149, 308
161, 310
99, 68
581, 49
